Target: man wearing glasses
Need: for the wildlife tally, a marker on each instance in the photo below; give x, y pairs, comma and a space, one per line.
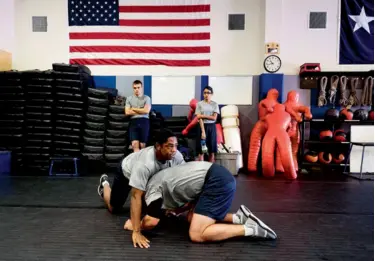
207, 111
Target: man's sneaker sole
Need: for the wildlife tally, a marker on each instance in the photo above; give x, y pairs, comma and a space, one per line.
260, 223
100, 187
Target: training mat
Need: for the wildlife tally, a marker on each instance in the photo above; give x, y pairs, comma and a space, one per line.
272, 196
93, 234
50, 192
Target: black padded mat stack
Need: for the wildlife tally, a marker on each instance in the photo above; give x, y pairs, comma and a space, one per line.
71, 103
94, 129
116, 142
39, 120
12, 104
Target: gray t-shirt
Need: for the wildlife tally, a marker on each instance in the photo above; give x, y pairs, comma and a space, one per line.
139, 103
207, 109
139, 166
177, 185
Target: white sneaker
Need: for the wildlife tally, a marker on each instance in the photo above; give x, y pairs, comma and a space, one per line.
243, 216
262, 229
103, 178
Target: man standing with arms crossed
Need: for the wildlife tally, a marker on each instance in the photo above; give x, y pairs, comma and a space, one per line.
138, 107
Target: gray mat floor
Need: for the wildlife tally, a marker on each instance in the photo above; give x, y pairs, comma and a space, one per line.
63, 219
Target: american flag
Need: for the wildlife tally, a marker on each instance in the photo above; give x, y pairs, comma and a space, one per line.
139, 32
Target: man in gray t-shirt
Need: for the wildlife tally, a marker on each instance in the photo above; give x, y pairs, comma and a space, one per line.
210, 188
133, 174
138, 107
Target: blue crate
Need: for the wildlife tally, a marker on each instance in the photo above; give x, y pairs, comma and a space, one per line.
5, 162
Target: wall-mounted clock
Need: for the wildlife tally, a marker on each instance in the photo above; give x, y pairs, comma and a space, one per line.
272, 63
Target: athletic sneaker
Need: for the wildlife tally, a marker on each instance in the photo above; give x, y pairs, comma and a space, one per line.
263, 230
103, 178
242, 216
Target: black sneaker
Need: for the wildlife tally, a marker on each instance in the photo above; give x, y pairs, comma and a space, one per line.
103, 178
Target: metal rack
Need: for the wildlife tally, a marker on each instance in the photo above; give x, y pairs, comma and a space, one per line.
332, 123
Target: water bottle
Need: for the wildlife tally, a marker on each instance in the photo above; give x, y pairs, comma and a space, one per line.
204, 147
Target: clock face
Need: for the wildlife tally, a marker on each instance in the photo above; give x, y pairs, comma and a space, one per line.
272, 63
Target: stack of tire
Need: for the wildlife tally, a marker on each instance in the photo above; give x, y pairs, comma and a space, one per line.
39, 120
116, 142
71, 98
12, 104
156, 124
94, 132
176, 124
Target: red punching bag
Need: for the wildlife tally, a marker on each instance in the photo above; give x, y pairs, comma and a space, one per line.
219, 134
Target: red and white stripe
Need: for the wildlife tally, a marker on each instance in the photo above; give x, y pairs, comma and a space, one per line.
151, 32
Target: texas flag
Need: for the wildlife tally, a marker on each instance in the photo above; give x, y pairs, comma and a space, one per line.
357, 32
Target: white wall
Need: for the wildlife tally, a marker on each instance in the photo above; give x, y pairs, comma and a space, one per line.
7, 13
300, 44
232, 52
40, 49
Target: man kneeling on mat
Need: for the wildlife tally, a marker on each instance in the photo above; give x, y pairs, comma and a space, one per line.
133, 174
212, 187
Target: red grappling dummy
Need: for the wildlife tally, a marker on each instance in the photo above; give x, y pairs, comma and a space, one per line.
292, 106
277, 124
264, 108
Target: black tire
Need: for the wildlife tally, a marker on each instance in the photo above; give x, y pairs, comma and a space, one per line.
118, 125
116, 133
176, 121
95, 93
98, 102
92, 149
95, 133
97, 110
116, 109
94, 125
115, 149
93, 156
96, 118
38, 149
114, 157
117, 117
93, 141
115, 141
